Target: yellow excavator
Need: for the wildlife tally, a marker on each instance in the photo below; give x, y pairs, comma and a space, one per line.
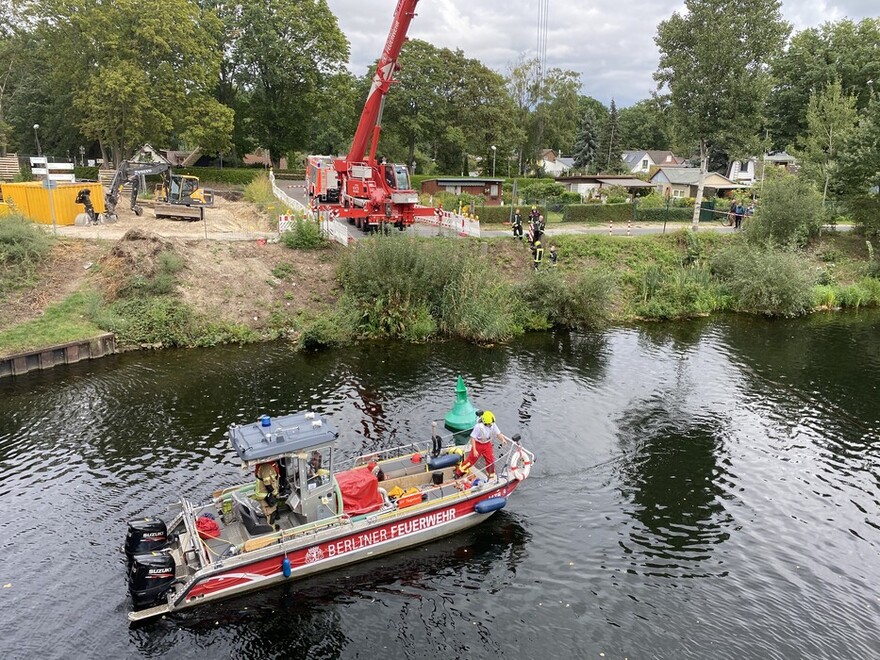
179, 196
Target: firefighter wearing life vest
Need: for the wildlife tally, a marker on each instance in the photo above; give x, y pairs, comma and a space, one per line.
483, 436
268, 490
537, 254
517, 225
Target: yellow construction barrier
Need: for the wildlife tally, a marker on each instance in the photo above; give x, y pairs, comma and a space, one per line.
32, 200
5, 209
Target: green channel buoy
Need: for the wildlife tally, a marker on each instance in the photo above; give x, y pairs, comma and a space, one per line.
461, 419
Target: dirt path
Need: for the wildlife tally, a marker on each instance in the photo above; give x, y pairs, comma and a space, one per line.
225, 221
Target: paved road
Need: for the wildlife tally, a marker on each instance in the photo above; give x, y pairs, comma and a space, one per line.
297, 190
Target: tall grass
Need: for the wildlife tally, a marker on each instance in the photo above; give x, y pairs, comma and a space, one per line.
585, 301
23, 247
399, 286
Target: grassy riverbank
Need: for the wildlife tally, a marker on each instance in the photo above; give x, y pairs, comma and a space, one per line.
154, 292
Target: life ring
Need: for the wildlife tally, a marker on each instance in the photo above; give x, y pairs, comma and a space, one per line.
520, 464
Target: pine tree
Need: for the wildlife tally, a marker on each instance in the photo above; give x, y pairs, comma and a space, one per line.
587, 143
608, 158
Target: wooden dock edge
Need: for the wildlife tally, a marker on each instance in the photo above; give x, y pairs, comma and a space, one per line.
52, 356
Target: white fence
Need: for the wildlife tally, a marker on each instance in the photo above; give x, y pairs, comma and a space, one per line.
332, 229
289, 202
461, 224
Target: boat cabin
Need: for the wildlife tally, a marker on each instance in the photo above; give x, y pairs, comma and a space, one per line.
300, 447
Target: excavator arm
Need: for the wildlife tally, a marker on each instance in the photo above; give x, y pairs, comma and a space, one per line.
129, 172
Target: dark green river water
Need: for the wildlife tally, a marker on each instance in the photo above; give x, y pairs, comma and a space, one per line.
702, 490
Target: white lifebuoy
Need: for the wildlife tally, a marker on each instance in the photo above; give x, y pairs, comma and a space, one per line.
520, 464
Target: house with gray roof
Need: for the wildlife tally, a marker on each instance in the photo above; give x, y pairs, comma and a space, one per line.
643, 160
683, 182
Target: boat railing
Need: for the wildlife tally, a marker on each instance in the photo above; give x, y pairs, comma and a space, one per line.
420, 447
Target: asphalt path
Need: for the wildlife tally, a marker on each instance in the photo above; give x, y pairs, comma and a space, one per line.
297, 190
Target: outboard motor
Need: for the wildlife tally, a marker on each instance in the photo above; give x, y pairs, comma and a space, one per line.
149, 577
145, 535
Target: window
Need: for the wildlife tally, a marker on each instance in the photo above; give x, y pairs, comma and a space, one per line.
677, 193
644, 165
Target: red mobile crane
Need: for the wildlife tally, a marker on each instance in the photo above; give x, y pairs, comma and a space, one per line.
375, 195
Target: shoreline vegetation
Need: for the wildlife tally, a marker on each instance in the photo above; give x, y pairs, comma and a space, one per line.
426, 289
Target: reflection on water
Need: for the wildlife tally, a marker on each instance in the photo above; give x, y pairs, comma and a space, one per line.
674, 474
692, 479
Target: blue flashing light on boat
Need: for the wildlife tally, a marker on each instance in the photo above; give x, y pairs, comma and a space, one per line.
265, 420
490, 505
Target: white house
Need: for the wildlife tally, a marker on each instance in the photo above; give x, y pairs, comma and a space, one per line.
643, 160
748, 171
553, 164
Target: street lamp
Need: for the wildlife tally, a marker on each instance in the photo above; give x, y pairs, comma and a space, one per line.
82, 156
493, 159
37, 138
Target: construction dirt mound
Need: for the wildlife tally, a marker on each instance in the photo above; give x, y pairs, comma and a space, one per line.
225, 217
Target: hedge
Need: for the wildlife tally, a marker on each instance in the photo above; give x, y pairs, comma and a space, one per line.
597, 213
660, 215
86, 173
501, 214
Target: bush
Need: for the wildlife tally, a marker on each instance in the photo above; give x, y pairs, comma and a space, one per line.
765, 281
865, 211
790, 213
160, 282
305, 235
499, 214
399, 286
601, 213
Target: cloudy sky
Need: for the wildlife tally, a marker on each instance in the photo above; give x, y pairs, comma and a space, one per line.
611, 44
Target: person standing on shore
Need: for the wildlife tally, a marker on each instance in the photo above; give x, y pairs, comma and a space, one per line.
517, 225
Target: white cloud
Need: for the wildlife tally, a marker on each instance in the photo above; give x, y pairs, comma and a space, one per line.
610, 44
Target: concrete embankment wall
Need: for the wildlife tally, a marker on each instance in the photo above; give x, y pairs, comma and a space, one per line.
46, 358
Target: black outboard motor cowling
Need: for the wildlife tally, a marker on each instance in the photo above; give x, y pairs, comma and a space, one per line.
149, 577
145, 535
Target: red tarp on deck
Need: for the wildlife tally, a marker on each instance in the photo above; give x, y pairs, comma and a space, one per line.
360, 491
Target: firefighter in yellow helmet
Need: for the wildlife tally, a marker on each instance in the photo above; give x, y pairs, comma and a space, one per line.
483, 436
538, 254
268, 490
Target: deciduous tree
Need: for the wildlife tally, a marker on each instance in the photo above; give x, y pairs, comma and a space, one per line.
714, 65
843, 51
831, 117
284, 52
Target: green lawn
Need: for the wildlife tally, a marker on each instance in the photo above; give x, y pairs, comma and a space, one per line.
62, 322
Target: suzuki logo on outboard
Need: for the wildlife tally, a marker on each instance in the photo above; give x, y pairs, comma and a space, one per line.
148, 535
158, 571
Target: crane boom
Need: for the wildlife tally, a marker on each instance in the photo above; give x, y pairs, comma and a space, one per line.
367, 133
